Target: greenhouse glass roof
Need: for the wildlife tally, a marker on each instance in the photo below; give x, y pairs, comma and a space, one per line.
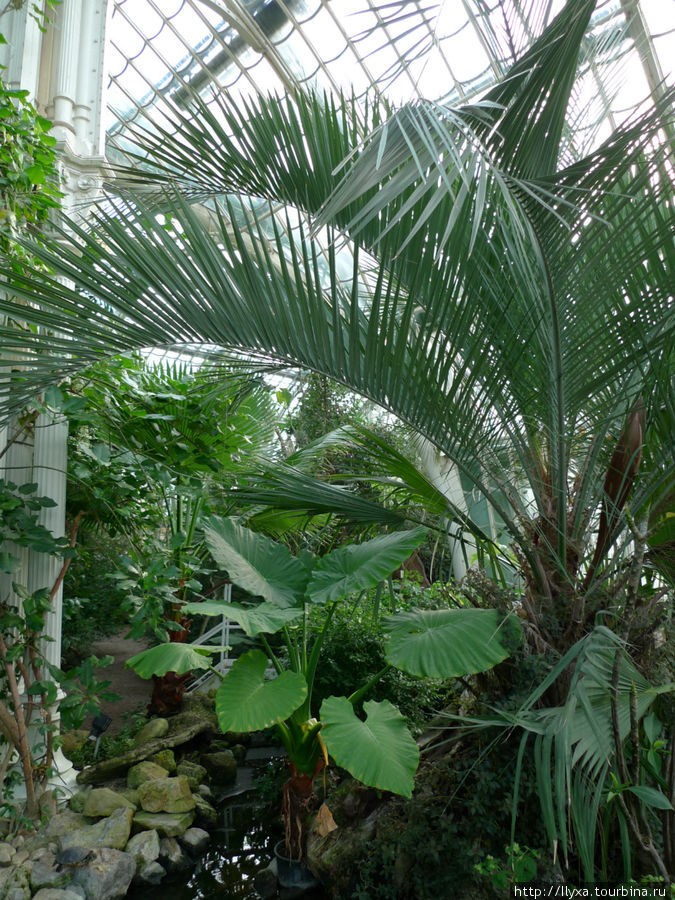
452, 51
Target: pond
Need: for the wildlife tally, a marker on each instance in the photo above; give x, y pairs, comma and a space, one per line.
242, 844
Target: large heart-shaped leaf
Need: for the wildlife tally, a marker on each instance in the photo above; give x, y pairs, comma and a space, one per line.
361, 566
163, 658
265, 617
246, 702
445, 643
256, 563
380, 752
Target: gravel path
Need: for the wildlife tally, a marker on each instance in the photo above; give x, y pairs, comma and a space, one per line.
135, 691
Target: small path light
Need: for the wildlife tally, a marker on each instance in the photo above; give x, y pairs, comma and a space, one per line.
98, 727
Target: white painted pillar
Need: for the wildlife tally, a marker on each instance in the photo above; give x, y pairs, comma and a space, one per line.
63, 70
49, 472
65, 64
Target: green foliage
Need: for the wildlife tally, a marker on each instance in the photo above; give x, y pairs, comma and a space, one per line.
110, 745
153, 448
519, 866
92, 603
387, 756
353, 652
28, 172
24, 669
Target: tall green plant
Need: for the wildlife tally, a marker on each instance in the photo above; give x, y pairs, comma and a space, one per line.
378, 751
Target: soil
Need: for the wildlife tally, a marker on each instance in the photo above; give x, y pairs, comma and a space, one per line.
134, 691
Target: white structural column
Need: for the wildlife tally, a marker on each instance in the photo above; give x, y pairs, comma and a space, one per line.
49, 473
65, 59
63, 71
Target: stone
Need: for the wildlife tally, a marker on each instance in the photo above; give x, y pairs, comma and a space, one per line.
167, 824
65, 822
205, 791
6, 853
102, 802
14, 884
112, 832
239, 752
45, 873
77, 801
166, 759
132, 796
107, 876
144, 771
195, 841
144, 847
265, 882
182, 729
57, 894
222, 766
194, 773
150, 874
332, 852
172, 856
205, 814
151, 731
73, 740
166, 795
20, 857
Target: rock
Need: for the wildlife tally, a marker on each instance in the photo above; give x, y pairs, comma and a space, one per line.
195, 841
73, 740
45, 873
154, 729
144, 847
18, 841
132, 796
63, 823
172, 856
108, 875
265, 882
112, 832
144, 771
194, 773
239, 752
57, 894
168, 824
102, 802
165, 759
332, 853
205, 791
20, 857
222, 765
14, 884
166, 795
150, 874
182, 729
6, 853
205, 814
77, 801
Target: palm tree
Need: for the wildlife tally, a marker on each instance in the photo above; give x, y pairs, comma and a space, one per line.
469, 269
506, 297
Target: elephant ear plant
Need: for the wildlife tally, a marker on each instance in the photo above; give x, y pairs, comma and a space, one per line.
378, 749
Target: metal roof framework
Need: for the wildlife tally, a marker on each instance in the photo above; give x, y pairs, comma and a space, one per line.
449, 51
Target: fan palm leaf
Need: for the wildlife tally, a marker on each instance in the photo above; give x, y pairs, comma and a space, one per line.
509, 310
